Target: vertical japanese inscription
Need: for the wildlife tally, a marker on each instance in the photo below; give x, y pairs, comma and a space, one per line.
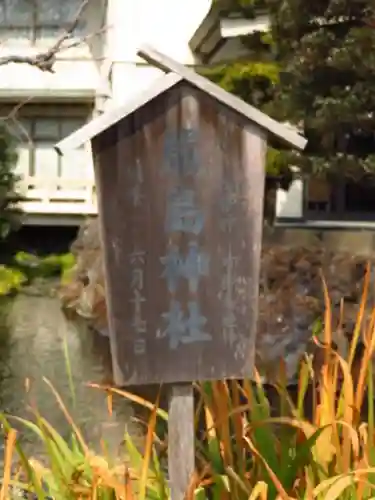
233, 290
226, 294
136, 194
228, 200
137, 266
183, 215
180, 152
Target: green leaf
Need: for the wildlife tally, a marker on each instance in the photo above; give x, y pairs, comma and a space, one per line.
200, 494
31, 476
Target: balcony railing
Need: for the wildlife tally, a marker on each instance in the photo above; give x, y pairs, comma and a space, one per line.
58, 196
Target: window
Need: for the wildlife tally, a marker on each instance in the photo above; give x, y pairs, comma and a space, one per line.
32, 20
318, 196
340, 199
38, 129
39, 154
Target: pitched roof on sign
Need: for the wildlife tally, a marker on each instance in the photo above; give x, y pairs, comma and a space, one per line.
112, 116
177, 72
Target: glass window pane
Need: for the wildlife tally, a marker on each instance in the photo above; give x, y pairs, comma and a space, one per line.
2, 13
17, 129
49, 12
57, 11
69, 126
19, 12
359, 196
46, 161
69, 9
22, 130
23, 164
24, 127
46, 128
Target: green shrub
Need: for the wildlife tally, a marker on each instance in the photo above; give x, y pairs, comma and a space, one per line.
11, 280
44, 267
68, 262
9, 197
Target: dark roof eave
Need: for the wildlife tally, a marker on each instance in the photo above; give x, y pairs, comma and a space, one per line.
209, 26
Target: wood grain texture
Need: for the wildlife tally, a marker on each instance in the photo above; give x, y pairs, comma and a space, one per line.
180, 188
254, 153
181, 440
112, 116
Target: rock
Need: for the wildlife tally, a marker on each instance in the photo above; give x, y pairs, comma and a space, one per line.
291, 297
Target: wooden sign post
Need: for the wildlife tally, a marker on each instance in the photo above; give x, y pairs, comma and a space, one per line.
181, 439
180, 177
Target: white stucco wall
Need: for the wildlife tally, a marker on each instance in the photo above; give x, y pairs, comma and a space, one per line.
289, 204
76, 69
105, 66
167, 24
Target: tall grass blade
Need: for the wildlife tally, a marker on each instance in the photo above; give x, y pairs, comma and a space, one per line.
370, 399
277, 484
133, 398
32, 478
360, 316
68, 417
9, 450
148, 450
260, 491
69, 371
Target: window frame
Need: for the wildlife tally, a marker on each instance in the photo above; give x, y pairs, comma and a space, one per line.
37, 140
57, 112
341, 213
34, 28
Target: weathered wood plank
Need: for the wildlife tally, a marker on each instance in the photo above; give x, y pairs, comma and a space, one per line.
181, 439
111, 117
180, 187
254, 157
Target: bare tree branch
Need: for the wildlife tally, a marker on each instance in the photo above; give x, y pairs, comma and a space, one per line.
45, 60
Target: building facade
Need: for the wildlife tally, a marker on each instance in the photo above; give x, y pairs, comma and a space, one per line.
98, 68
95, 69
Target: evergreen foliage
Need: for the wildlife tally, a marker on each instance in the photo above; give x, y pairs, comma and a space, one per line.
324, 50
9, 214
256, 79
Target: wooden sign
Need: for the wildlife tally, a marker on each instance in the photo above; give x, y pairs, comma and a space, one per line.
181, 190
180, 178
